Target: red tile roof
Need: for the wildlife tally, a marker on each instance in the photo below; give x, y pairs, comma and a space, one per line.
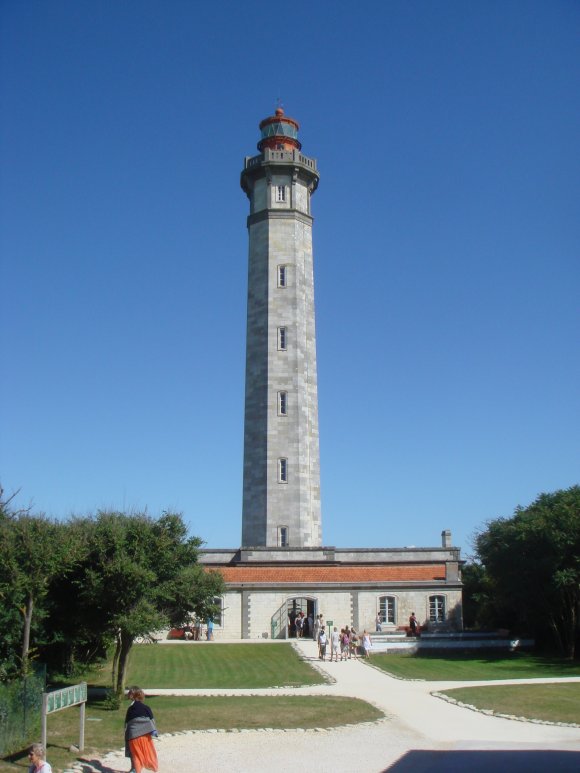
235, 575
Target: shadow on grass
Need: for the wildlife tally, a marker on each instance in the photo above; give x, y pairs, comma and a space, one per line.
526, 761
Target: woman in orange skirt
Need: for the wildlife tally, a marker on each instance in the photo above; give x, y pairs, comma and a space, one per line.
139, 731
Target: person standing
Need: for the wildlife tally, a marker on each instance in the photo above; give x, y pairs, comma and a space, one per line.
379, 623
139, 731
354, 642
316, 628
209, 629
334, 644
322, 644
37, 757
299, 625
366, 644
413, 624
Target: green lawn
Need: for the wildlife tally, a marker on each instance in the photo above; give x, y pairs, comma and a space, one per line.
104, 728
189, 665
463, 668
553, 702
219, 665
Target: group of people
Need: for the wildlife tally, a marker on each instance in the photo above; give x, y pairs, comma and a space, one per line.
300, 625
194, 632
345, 643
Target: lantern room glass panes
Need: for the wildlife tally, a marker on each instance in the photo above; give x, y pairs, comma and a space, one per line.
280, 128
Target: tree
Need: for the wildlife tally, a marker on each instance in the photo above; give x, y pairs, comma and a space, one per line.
532, 565
34, 550
475, 595
139, 575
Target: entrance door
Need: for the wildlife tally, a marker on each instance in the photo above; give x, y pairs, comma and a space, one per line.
306, 609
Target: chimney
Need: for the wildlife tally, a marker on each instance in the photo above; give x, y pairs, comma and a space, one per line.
446, 538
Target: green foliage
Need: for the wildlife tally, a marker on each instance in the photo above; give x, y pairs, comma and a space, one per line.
138, 574
70, 590
34, 551
532, 568
20, 711
475, 595
112, 701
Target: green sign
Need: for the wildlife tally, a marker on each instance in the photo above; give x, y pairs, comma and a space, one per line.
69, 696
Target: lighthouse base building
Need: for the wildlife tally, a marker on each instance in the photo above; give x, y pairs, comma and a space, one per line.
267, 588
282, 570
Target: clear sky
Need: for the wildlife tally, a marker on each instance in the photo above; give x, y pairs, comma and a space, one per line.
446, 241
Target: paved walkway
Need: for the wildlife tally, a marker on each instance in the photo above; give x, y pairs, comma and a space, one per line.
421, 733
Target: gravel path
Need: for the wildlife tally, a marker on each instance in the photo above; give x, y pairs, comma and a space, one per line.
421, 733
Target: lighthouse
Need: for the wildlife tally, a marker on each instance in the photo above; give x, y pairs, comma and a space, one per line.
281, 489
282, 570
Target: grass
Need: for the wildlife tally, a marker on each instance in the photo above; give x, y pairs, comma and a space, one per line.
208, 666
220, 665
104, 729
231, 666
470, 668
553, 702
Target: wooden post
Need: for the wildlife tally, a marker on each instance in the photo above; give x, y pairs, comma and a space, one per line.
43, 720
76, 695
82, 728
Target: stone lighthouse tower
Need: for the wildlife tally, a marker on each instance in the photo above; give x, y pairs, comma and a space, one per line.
281, 503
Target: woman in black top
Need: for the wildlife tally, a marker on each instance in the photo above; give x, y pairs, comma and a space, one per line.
139, 731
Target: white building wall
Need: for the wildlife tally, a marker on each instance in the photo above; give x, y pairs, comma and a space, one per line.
347, 606
231, 627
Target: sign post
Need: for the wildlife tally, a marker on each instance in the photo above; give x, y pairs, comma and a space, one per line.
64, 699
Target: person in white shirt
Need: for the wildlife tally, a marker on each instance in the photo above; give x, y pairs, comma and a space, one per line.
37, 757
334, 644
366, 644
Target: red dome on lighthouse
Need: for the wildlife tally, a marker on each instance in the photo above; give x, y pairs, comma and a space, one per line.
279, 132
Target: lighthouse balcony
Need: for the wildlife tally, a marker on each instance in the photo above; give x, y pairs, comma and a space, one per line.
280, 156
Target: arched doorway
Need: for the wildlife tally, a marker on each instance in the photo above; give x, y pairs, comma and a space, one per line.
306, 608
283, 622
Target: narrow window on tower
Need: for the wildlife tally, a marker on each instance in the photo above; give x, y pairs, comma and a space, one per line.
283, 536
282, 470
282, 276
280, 193
282, 403
282, 339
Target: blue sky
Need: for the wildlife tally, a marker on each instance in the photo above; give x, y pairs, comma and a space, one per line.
446, 242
